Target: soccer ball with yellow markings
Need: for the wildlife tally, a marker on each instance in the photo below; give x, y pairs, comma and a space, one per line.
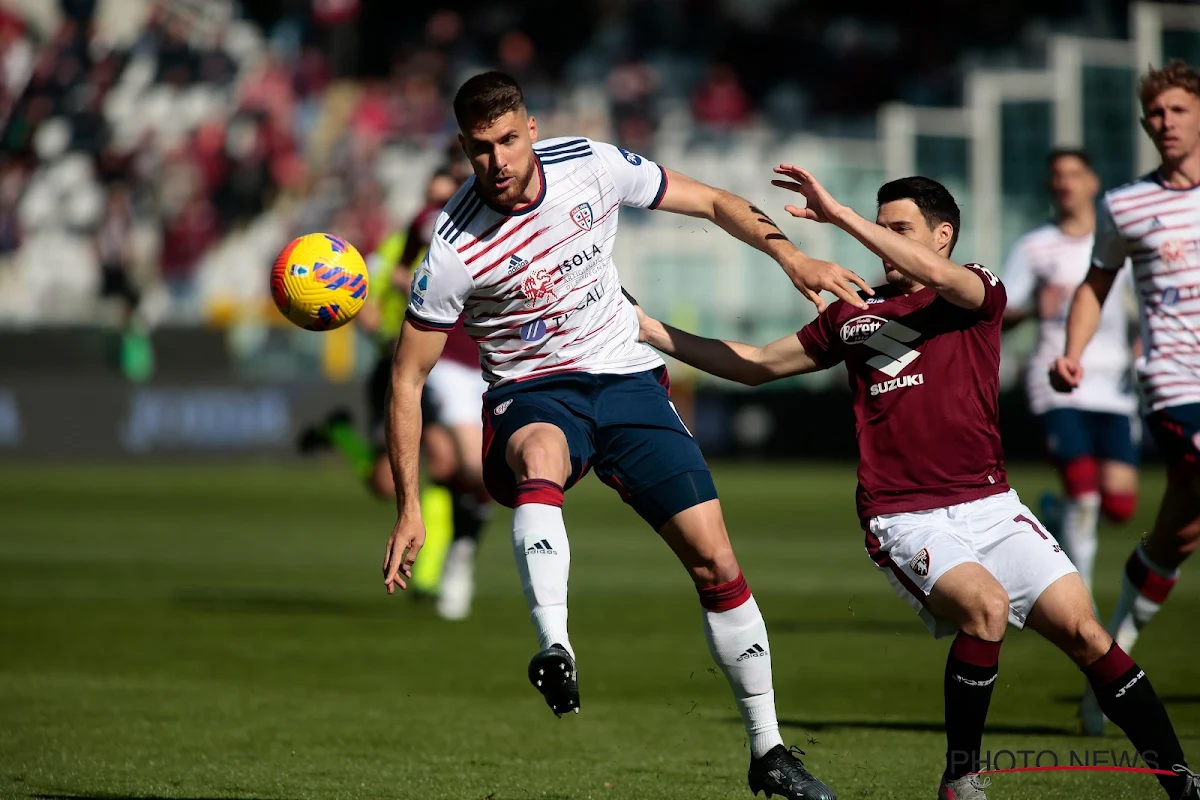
319, 282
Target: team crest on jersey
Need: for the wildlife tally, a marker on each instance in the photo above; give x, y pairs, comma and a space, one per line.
536, 285
1174, 252
919, 563
581, 215
859, 329
500, 409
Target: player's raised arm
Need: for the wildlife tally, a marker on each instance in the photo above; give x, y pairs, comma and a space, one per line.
643, 183
735, 361
920, 262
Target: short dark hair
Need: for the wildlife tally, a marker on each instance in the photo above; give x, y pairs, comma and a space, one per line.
485, 98
934, 201
1069, 152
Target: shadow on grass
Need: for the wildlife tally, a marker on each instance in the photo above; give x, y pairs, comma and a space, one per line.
921, 727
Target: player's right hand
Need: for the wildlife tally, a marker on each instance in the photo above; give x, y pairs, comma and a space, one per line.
406, 541
813, 276
1066, 374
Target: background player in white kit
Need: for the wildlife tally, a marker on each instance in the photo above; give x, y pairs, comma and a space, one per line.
1092, 435
1155, 223
525, 249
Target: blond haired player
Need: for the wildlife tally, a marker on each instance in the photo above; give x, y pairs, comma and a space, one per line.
1154, 222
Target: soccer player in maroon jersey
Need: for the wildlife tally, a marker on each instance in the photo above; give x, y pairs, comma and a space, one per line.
940, 519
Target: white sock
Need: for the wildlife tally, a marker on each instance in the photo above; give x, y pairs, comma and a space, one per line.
543, 558
1134, 609
1078, 535
737, 639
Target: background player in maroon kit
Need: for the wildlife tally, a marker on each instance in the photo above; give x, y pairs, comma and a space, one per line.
940, 519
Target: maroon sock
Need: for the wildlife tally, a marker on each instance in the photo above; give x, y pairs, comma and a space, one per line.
971, 670
1127, 698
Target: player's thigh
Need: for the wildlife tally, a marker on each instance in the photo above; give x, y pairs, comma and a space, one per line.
1067, 434
1014, 546
1064, 616
460, 391
646, 453
914, 551
520, 425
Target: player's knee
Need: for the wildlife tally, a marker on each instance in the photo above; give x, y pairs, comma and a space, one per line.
1084, 640
714, 567
540, 454
987, 614
1118, 506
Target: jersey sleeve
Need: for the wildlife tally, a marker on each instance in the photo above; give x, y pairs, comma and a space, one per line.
440, 287
1020, 278
995, 297
1111, 248
820, 338
639, 181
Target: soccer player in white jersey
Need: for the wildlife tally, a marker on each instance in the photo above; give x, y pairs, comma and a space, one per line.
1090, 434
525, 249
1155, 223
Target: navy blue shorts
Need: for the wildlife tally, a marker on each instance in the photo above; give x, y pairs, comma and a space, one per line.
1176, 431
1072, 433
623, 426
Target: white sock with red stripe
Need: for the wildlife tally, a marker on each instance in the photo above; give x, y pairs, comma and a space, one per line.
737, 639
543, 557
1145, 586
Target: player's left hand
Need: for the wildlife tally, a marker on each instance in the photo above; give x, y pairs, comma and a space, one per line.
407, 536
821, 205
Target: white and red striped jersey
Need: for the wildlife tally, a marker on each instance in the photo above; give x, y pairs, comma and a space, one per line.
1158, 230
538, 284
1046, 259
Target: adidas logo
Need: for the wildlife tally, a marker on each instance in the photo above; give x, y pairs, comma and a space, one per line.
756, 651
1156, 223
541, 548
515, 263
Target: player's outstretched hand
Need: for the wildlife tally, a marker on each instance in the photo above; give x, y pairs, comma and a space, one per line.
821, 205
1066, 374
406, 541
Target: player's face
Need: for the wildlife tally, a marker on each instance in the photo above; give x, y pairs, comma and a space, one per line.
1073, 185
1172, 121
501, 153
903, 217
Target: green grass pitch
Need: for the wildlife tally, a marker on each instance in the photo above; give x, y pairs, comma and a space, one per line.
222, 632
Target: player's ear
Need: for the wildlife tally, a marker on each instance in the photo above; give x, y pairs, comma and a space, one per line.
944, 235
462, 145
533, 130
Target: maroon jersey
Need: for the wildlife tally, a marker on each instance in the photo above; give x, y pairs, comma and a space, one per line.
926, 376
460, 347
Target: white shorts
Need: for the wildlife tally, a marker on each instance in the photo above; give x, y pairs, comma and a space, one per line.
997, 532
455, 393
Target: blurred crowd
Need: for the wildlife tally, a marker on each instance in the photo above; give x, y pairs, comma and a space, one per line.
127, 165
